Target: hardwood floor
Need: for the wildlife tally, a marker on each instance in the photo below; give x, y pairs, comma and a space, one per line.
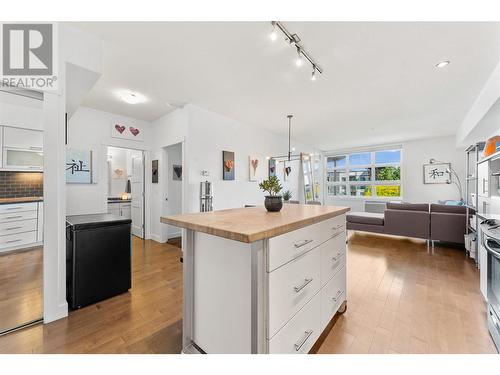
20, 287
145, 320
401, 300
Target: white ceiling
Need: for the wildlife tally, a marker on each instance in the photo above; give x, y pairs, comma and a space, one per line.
379, 83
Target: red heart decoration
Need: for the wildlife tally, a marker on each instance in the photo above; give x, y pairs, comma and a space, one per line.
134, 131
120, 129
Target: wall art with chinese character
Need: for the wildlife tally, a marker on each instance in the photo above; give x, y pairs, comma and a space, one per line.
437, 173
130, 132
228, 165
79, 166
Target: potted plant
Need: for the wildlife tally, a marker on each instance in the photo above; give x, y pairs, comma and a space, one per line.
273, 201
287, 195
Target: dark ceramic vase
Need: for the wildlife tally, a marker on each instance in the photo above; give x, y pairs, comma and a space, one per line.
273, 203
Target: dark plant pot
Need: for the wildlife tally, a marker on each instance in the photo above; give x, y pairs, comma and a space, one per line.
273, 203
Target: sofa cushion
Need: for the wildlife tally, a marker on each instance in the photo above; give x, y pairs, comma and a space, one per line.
408, 206
365, 218
448, 209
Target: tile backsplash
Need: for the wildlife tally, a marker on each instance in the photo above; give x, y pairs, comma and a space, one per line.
21, 184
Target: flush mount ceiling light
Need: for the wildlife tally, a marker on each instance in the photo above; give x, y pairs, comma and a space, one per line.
294, 39
131, 97
442, 64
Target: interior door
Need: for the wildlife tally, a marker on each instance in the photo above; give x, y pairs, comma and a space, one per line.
137, 192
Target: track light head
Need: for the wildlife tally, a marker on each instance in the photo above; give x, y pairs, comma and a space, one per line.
299, 61
313, 74
273, 35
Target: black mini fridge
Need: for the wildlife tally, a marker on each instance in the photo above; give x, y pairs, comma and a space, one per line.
98, 258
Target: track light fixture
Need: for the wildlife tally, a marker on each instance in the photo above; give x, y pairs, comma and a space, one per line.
294, 39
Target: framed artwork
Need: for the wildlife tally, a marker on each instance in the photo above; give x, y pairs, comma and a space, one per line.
177, 172
122, 131
79, 166
154, 171
227, 165
254, 164
272, 167
437, 173
287, 170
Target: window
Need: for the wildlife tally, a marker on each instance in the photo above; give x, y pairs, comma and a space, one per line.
365, 174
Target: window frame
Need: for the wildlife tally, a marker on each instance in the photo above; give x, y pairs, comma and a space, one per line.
373, 183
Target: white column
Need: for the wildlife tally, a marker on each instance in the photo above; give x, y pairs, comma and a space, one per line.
54, 193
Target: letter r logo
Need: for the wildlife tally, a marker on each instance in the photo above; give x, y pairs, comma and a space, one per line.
27, 49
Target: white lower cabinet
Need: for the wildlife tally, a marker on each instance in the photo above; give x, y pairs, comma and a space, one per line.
332, 296
305, 291
291, 287
301, 332
21, 225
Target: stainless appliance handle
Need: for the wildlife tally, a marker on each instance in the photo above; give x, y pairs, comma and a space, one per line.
303, 340
304, 284
490, 250
303, 243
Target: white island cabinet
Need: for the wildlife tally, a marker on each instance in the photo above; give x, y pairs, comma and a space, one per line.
259, 282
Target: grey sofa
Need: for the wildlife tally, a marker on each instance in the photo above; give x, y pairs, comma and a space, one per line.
436, 222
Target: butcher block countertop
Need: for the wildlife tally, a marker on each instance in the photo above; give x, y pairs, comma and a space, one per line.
20, 200
254, 223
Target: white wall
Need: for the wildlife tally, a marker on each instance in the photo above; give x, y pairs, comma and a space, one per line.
205, 135
210, 134
415, 155
91, 129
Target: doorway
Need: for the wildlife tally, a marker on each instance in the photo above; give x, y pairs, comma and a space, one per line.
21, 209
126, 186
172, 171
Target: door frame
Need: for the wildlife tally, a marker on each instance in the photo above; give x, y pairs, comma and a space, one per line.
163, 168
145, 200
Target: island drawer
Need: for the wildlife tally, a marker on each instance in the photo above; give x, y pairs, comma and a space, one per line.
291, 287
7, 228
332, 256
18, 207
17, 239
332, 296
18, 216
301, 332
291, 245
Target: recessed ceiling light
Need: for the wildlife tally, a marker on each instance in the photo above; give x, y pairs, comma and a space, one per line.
131, 97
442, 64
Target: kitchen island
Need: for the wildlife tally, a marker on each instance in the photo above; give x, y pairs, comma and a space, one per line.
260, 282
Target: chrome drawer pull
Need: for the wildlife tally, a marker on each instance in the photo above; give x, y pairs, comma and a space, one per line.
336, 256
339, 293
300, 287
12, 217
301, 343
303, 243
13, 228
14, 208
12, 241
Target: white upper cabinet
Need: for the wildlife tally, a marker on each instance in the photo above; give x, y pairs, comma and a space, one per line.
22, 138
22, 149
